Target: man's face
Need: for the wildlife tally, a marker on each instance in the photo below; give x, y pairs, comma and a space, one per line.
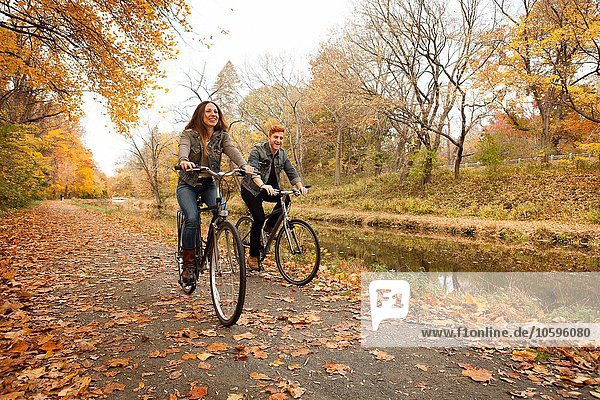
275, 141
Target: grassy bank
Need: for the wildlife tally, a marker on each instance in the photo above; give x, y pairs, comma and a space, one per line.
531, 193
552, 206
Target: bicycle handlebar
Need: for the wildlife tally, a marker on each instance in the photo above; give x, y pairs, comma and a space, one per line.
221, 174
279, 192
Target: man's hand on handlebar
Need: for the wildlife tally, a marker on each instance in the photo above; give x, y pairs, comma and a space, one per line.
302, 190
269, 189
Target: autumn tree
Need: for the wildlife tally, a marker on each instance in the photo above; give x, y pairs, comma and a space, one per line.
153, 156
553, 55
277, 90
338, 106
72, 170
113, 48
22, 166
226, 91
421, 58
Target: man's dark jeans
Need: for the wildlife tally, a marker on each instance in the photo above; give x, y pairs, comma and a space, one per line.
255, 205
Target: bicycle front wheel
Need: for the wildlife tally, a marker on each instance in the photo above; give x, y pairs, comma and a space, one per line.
227, 274
297, 252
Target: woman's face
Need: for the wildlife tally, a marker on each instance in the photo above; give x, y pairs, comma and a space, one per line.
211, 116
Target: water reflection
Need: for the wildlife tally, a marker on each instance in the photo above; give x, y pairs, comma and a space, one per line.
389, 250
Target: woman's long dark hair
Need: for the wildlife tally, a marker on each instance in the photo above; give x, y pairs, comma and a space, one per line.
197, 124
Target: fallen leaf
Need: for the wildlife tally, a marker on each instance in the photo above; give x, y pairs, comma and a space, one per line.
334, 368
204, 356
235, 396
296, 391
278, 396
524, 394
247, 335
139, 387
568, 394
175, 374
595, 394
301, 352
13, 395
19, 347
118, 362
422, 367
521, 355
188, 356
204, 366
197, 392
217, 347
30, 373
478, 375
258, 376
111, 387
382, 355
293, 367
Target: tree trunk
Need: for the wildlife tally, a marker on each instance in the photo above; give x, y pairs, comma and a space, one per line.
427, 168
378, 145
298, 150
545, 134
338, 157
458, 160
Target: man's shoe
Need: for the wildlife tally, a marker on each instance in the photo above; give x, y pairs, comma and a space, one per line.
253, 263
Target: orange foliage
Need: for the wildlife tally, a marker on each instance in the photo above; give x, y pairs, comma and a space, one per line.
111, 47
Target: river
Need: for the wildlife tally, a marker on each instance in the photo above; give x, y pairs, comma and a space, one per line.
387, 249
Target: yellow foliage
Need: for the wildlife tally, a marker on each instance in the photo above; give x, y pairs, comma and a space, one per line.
113, 48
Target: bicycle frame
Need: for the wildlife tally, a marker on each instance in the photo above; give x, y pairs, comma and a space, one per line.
284, 217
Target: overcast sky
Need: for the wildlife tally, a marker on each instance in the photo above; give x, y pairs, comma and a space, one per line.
253, 28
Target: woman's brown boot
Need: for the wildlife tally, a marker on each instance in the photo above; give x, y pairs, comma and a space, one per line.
189, 261
253, 263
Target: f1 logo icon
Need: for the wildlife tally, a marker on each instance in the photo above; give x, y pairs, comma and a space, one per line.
388, 300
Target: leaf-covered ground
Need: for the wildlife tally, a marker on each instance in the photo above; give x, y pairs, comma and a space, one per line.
91, 309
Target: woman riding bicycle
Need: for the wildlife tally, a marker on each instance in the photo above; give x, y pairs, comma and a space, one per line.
269, 159
202, 142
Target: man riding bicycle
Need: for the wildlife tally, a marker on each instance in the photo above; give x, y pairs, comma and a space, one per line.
268, 159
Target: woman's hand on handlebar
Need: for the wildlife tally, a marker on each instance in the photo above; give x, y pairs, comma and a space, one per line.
249, 169
186, 165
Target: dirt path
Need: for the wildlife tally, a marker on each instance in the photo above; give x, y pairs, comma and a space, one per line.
91, 309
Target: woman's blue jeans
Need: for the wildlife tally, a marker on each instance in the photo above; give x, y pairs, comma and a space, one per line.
187, 198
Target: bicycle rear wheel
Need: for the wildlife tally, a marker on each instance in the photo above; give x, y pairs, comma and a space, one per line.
297, 252
227, 274
243, 226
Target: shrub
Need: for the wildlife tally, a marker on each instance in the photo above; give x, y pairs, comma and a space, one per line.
492, 211
525, 211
